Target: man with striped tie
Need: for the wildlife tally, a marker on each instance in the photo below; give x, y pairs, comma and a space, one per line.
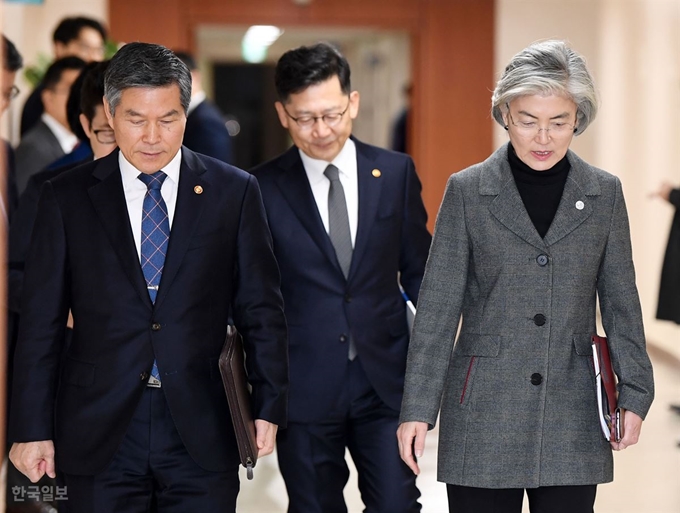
152, 248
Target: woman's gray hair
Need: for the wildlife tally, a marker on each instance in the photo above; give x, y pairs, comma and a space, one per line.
548, 67
145, 65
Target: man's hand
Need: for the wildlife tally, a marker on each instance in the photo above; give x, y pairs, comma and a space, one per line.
266, 437
34, 459
411, 437
632, 424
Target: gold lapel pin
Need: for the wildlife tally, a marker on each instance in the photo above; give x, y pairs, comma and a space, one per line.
376, 173
198, 189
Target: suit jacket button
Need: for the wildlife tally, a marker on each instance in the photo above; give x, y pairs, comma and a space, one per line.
542, 260
155, 326
144, 376
539, 319
343, 338
536, 379
348, 298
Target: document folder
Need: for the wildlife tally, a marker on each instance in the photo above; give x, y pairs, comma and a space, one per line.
609, 413
234, 378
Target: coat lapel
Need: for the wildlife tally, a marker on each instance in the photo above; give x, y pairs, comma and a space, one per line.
508, 207
188, 212
108, 200
577, 200
369, 188
294, 186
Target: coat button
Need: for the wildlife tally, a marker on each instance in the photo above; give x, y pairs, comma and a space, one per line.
542, 260
343, 338
144, 376
539, 319
155, 326
348, 298
536, 379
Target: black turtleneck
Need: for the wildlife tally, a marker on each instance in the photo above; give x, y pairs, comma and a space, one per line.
541, 191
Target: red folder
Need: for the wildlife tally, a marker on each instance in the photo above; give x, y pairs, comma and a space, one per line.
607, 396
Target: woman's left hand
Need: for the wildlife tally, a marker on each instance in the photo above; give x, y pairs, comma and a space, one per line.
632, 424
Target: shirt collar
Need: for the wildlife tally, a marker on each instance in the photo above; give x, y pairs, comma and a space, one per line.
130, 172
345, 161
67, 140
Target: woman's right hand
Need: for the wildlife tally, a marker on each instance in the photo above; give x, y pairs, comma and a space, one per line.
411, 439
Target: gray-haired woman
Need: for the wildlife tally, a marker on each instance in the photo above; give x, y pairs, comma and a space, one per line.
524, 244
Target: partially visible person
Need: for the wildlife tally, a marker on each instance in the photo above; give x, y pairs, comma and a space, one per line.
74, 36
399, 137
153, 248
206, 131
82, 149
668, 308
11, 63
51, 137
524, 245
349, 227
100, 137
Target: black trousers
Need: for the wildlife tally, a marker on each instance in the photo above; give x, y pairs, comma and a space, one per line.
312, 456
544, 499
152, 471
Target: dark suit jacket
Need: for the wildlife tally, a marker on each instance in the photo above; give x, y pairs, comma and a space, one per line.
33, 109
206, 133
21, 228
322, 307
669, 290
83, 257
37, 149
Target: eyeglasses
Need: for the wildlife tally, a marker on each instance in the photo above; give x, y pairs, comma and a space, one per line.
105, 136
330, 119
555, 130
10, 94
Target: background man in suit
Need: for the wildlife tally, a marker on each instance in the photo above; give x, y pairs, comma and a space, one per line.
11, 63
137, 412
348, 225
51, 137
79, 37
206, 132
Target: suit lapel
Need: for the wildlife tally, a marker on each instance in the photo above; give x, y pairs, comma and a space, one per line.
294, 186
369, 189
576, 204
186, 218
108, 200
508, 207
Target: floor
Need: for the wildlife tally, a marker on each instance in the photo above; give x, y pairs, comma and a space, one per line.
647, 476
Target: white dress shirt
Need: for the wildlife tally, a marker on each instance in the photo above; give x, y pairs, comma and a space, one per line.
346, 162
67, 140
135, 190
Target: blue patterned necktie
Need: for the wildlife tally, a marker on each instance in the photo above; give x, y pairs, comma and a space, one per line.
155, 235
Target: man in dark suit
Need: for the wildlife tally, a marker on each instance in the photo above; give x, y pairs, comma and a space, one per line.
51, 137
136, 412
349, 226
206, 131
77, 36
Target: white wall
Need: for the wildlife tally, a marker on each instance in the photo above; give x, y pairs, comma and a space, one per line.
633, 50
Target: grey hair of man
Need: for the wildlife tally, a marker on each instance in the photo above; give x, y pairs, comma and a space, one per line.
145, 65
545, 68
